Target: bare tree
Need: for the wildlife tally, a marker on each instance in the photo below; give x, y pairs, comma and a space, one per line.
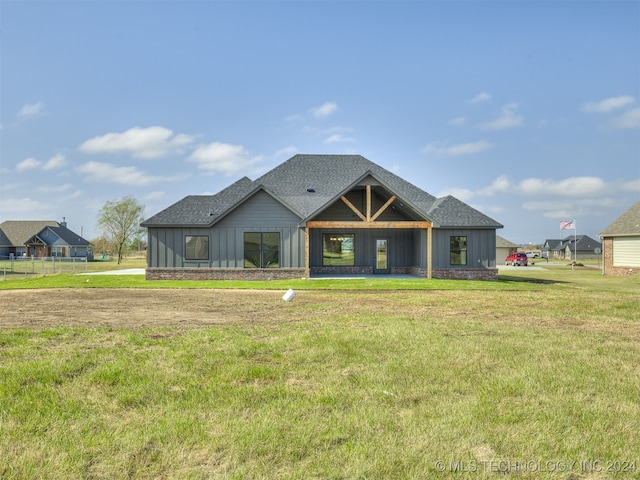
120, 222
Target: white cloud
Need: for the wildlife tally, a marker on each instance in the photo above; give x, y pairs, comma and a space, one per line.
54, 189
569, 187
608, 104
31, 110
57, 161
460, 193
481, 98
631, 186
500, 184
337, 138
108, 173
28, 164
629, 119
324, 110
458, 121
454, 150
20, 207
150, 142
286, 152
223, 157
508, 119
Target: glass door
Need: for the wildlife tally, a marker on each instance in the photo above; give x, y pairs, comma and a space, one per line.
382, 263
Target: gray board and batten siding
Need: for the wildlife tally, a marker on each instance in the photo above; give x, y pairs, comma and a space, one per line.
226, 238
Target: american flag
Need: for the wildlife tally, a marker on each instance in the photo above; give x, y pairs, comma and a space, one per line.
568, 225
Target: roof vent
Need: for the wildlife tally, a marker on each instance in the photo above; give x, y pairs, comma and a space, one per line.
311, 190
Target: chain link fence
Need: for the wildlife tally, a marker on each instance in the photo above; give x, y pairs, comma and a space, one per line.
12, 266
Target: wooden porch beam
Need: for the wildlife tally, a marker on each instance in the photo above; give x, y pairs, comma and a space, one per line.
364, 224
368, 188
383, 208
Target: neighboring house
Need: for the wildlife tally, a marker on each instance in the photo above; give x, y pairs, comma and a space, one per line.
41, 238
504, 248
565, 248
552, 248
321, 214
621, 244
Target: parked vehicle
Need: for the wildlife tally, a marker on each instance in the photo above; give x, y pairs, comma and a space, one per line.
518, 259
532, 254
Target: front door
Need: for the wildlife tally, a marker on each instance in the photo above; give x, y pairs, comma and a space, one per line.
382, 258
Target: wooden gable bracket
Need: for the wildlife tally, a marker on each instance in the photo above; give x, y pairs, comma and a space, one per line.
368, 217
383, 208
352, 207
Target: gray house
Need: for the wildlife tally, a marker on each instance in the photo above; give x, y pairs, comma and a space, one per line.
565, 248
321, 214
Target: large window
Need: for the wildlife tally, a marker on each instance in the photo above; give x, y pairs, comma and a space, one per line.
196, 247
261, 250
337, 250
458, 250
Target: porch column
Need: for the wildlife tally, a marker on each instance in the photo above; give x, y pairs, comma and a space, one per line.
429, 251
306, 253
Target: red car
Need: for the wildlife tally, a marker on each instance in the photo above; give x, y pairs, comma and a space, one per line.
517, 259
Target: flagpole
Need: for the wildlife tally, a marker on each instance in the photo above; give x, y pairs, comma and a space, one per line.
575, 242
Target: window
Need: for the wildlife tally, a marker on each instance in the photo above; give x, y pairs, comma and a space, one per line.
458, 250
337, 250
261, 250
196, 247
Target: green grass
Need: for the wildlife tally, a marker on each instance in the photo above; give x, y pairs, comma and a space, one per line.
537, 367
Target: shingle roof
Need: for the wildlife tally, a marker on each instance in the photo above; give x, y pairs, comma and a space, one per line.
18, 232
504, 243
69, 237
585, 243
627, 224
307, 184
202, 210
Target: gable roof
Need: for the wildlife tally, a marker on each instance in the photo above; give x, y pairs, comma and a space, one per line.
627, 224
582, 243
504, 243
19, 232
553, 244
306, 184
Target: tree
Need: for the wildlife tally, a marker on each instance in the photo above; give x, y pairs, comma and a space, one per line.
120, 222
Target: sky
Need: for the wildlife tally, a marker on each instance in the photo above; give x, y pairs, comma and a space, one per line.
528, 111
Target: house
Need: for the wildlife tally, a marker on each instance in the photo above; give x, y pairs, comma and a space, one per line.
552, 248
41, 238
621, 244
504, 248
321, 214
565, 248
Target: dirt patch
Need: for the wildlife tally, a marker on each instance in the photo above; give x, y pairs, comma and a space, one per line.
195, 308
139, 308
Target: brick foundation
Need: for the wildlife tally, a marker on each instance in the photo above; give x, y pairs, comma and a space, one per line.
465, 273
285, 273
363, 270
223, 273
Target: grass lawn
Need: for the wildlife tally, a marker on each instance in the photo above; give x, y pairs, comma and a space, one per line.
535, 376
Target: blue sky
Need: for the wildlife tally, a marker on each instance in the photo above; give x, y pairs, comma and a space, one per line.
528, 111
